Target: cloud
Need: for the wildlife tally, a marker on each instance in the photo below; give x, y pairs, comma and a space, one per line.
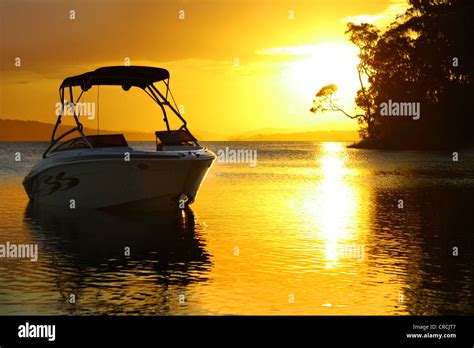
308, 50
302, 50
397, 8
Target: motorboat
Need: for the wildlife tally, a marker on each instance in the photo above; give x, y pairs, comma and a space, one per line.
103, 171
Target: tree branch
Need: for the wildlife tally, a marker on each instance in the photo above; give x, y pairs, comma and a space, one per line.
336, 108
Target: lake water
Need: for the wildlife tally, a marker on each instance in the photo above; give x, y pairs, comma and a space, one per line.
313, 228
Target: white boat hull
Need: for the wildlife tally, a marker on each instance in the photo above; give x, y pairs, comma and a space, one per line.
148, 181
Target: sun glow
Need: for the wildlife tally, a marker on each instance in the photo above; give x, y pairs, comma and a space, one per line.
324, 64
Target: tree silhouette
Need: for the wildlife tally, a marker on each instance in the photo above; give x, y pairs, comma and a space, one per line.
425, 56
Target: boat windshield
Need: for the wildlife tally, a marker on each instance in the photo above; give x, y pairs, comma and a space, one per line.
97, 141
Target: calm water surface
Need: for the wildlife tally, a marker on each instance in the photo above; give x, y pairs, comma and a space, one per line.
313, 228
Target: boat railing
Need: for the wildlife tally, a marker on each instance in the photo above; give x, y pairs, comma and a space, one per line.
107, 77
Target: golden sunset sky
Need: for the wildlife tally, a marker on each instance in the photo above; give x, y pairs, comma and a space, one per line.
236, 66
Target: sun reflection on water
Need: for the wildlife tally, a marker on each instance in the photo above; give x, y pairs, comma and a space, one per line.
334, 205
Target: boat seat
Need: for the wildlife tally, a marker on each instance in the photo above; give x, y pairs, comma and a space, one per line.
174, 137
107, 140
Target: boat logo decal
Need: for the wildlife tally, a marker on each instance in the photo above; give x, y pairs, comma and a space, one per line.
59, 183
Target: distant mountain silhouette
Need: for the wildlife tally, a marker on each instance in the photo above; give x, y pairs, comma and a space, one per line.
331, 135
17, 130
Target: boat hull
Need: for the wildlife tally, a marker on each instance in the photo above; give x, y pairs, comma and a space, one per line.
108, 182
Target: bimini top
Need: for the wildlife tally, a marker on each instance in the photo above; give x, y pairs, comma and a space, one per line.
125, 76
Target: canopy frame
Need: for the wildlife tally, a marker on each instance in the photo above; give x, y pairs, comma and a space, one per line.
126, 77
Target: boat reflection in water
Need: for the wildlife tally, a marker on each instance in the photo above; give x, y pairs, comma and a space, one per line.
107, 261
